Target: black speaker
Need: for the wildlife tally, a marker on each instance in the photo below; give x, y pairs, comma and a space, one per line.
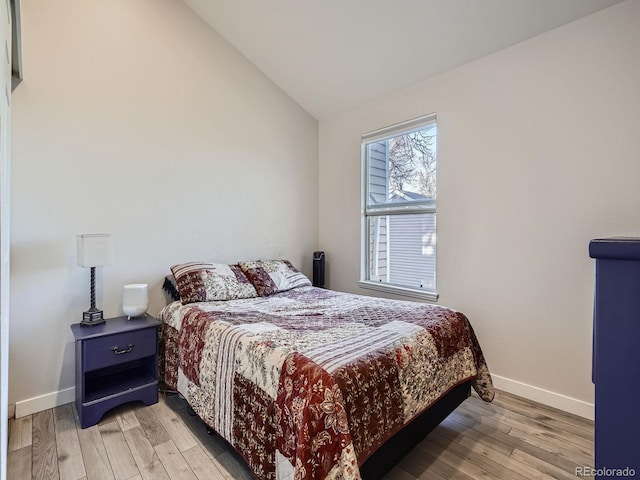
318, 269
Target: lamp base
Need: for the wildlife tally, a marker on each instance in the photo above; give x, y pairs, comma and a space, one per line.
91, 317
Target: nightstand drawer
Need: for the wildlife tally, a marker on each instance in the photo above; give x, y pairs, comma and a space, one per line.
119, 348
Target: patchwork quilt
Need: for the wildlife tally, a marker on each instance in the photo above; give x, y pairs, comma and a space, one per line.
308, 383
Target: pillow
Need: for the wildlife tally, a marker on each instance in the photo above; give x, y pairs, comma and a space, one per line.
171, 287
273, 276
204, 282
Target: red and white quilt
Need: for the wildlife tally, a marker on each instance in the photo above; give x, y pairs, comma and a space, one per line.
308, 383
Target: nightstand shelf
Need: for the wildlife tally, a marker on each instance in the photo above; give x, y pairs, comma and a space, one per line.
100, 385
116, 363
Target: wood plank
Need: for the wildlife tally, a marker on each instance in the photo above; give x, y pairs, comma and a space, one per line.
552, 434
446, 470
483, 419
422, 464
539, 429
523, 458
152, 427
569, 453
174, 463
477, 437
128, 420
485, 463
118, 452
505, 460
524, 406
174, 427
212, 443
201, 464
574, 443
20, 433
45, 459
549, 432
463, 418
70, 462
553, 456
19, 464
400, 474
566, 454
147, 460
96, 460
231, 466
457, 463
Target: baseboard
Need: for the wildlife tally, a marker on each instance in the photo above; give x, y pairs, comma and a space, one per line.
12, 411
537, 394
546, 397
44, 402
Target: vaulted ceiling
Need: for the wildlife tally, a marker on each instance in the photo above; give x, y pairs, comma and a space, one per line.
329, 55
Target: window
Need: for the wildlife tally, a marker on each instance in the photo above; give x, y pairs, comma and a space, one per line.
399, 209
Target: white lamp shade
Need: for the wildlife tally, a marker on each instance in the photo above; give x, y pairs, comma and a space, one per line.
135, 299
94, 249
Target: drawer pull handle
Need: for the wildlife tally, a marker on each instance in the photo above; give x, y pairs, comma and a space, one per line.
118, 351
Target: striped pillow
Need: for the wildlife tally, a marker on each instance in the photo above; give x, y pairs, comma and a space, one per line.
204, 282
273, 276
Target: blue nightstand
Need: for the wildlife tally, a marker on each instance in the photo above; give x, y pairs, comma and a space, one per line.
116, 363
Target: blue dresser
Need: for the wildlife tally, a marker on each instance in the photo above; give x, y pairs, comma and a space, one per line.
616, 354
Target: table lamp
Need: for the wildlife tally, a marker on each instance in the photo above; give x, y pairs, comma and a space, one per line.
94, 250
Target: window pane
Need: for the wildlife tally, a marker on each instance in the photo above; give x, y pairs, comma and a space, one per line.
402, 249
402, 169
378, 173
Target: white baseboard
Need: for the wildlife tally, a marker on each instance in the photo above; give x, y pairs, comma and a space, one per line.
546, 397
537, 394
44, 402
12, 411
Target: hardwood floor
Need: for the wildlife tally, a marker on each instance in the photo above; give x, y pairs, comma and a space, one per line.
511, 438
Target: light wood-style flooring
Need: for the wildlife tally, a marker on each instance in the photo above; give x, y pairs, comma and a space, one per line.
511, 438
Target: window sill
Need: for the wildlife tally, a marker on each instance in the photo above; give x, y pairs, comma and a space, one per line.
429, 295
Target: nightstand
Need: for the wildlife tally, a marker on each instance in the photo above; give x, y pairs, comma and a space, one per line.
116, 363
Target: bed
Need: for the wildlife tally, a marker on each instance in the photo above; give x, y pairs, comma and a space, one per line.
308, 383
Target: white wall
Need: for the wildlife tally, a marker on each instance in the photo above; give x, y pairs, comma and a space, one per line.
136, 118
538, 153
5, 197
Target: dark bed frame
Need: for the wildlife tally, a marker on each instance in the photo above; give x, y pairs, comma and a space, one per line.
394, 449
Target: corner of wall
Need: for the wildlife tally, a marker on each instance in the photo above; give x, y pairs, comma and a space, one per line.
546, 397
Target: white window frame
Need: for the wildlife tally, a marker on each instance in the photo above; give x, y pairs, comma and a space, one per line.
400, 208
